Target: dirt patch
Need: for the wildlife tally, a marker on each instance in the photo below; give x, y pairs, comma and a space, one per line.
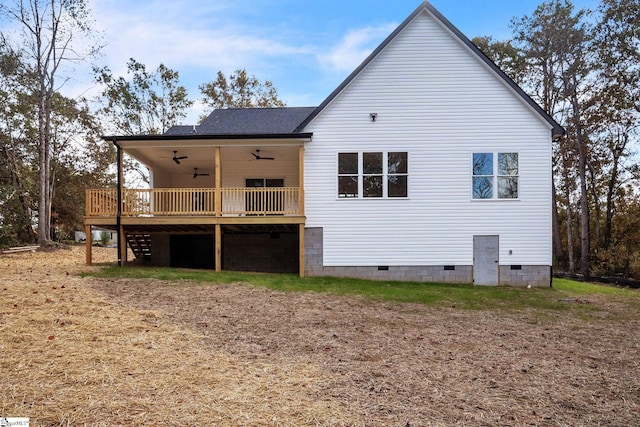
135, 352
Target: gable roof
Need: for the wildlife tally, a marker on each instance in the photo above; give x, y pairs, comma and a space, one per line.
556, 131
247, 121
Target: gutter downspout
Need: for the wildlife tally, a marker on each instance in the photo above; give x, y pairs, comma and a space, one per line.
119, 199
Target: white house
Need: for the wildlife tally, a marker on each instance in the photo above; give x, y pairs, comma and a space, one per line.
427, 163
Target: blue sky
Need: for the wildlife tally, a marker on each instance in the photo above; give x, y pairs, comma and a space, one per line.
306, 48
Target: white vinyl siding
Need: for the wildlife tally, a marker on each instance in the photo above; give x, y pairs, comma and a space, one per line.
438, 102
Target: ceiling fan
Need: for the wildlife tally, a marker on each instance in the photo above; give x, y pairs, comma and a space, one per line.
176, 158
196, 174
259, 157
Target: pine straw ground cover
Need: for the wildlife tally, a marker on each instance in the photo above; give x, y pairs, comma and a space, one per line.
88, 351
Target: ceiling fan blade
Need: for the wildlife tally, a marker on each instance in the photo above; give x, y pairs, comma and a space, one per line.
259, 157
196, 174
176, 158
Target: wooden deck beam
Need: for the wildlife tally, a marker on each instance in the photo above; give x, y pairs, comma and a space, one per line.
88, 244
218, 248
301, 249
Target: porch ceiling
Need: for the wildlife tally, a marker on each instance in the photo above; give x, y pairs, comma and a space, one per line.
160, 159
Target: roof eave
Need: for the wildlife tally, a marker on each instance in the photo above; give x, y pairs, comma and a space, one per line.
215, 137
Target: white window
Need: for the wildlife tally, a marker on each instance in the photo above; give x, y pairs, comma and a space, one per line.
372, 174
495, 176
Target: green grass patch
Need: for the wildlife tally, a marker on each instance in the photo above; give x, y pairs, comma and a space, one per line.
433, 294
585, 288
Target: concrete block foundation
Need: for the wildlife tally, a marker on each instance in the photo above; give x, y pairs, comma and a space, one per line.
313, 266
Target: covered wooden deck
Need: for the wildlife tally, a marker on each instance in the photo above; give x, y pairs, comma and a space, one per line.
194, 210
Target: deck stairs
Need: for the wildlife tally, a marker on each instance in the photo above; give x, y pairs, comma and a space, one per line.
140, 244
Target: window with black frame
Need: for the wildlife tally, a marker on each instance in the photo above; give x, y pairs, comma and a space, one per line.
373, 174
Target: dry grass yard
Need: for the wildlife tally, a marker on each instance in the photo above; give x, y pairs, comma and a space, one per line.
105, 352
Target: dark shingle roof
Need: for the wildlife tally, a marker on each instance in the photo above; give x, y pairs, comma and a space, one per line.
247, 121
181, 130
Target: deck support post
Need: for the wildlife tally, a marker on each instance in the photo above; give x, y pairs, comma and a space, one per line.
301, 180
301, 249
218, 174
122, 237
218, 248
301, 209
88, 244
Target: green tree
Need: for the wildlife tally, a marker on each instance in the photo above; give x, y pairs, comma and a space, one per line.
49, 31
144, 102
616, 124
81, 160
555, 42
17, 180
617, 45
584, 68
505, 55
239, 90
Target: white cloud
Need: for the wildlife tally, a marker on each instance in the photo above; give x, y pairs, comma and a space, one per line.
192, 37
199, 38
219, 49
185, 36
354, 47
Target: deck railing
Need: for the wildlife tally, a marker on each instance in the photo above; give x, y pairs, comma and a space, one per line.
168, 201
101, 202
260, 201
195, 202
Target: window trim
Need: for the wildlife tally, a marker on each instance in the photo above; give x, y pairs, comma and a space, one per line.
361, 175
495, 175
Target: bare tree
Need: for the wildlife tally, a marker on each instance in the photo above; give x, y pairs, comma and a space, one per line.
49, 29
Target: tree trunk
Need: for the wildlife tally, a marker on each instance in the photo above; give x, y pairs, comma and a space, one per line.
585, 256
616, 152
597, 213
43, 217
572, 265
557, 240
27, 235
585, 262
